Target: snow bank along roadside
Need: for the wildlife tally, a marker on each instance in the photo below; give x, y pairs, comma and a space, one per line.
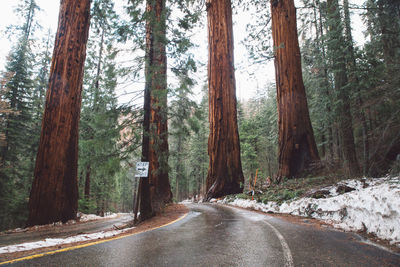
81, 218
50, 242
371, 205
91, 217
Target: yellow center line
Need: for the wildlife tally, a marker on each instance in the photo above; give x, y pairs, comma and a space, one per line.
89, 244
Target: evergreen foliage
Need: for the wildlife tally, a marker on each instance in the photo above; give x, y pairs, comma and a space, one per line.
197, 162
19, 133
99, 158
379, 63
186, 122
172, 30
258, 136
367, 90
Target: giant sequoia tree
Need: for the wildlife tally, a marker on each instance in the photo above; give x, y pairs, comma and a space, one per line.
160, 189
54, 193
225, 174
297, 148
155, 191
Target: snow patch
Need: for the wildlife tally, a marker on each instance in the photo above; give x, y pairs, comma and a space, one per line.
194, 199
93, 217
374, 207
186, 201
50, 242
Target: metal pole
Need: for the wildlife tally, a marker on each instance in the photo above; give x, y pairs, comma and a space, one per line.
137, 200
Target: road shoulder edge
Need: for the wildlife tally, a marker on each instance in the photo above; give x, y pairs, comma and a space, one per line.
73, 246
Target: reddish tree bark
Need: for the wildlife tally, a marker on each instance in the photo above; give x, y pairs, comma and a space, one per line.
160, 189
225, 174
297, 148
54, 193
156, 190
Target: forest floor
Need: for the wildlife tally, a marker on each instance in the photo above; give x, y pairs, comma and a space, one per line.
368, 206
50, 238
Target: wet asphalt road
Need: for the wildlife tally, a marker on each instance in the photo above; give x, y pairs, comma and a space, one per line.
214, 235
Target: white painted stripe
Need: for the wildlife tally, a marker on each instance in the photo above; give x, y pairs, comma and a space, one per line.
286, 250
259, 217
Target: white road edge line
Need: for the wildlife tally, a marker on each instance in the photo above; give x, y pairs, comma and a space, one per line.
286, 250
285, 247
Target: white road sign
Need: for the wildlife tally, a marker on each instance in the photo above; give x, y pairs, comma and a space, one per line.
142, 169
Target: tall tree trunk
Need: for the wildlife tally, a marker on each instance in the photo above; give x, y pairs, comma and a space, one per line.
297, 148
343, 114
155, 150
179, 166
160, 189
225, 175
87, 182
134, 194
199, 185
178, 170
54, 193
144, 200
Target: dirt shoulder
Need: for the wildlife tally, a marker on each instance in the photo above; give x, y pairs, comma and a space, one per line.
170, 214
59, 230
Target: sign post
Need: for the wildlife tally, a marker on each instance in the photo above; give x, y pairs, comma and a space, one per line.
142, 171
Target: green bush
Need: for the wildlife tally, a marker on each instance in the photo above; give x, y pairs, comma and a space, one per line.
87, 206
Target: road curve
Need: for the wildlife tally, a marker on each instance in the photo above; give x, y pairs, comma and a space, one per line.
215, 235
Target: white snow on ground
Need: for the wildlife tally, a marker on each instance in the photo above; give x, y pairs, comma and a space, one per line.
92, 217
196, 198
374, 207
82, 218
186, 201
49, 242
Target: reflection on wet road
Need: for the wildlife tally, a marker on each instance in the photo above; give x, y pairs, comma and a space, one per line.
214, 235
